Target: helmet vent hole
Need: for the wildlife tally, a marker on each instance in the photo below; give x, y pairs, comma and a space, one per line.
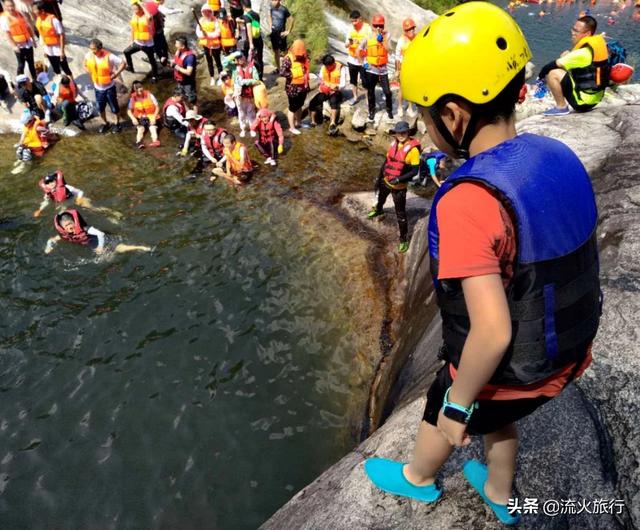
501, 43
426, 32
449, 14
485, 92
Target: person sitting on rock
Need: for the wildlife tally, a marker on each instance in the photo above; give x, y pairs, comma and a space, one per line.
270, 141
144, 112
506, 248
212, 146
579, 77
174, 111
64, 99
34, 140
401, 165
34, 96
333, 78
73, 228
238, 165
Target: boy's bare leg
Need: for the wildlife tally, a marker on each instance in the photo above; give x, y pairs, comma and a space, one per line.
500, 449
128, 248
430, 452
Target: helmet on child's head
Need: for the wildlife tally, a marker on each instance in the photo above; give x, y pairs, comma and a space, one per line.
26, 116
51, 177
377, 20
473, 51
408, 24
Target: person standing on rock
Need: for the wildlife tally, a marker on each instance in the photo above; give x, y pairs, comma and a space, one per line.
375, 51
514, 257
20, 36
245, 77
184, 71
401, 165
408, 34
208, 33
359, 32
579, 77
104, 67
142, 33
254, 45
53, 38
295, 69
280, 25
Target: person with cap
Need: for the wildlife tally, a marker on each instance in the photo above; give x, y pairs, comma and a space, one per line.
208, 33
194, 132
401, 165
142, 32
408, 34
184, 70
280, 26
34, 139
254, 45
294, 68
432, 164
270, 140
333, 78
174, 113
144, 112
20, 36
104, 67
360, 31
238, 165
375, 51
514, 257
34, 96
245, 77
53, 38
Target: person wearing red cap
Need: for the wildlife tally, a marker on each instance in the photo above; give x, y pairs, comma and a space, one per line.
270, 141
375, 51
408, 34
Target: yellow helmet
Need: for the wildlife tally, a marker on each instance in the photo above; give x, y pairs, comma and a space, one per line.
473, 50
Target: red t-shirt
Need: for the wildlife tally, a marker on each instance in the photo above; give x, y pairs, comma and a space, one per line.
477, 237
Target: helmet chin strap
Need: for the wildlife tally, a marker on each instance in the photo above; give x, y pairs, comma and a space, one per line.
461, 149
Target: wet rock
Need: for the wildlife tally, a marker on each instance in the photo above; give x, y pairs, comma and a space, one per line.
359, 119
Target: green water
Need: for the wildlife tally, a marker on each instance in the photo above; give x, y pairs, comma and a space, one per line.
197, 386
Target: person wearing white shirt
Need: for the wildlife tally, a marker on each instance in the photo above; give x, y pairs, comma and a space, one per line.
53, 38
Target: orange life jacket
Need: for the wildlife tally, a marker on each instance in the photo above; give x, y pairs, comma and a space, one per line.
143, 106
234, 156
142, 26
99, 68
68, 93
209, 26
356, 37
299, 71
227, 37
331, 79
594, 77
47, 30
377, 54
18, 28
396, 161
227, 87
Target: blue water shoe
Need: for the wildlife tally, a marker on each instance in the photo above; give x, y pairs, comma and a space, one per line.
476, 474
388, 476
555, 111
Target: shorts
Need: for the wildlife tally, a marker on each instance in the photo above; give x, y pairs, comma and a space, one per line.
355, 71
567, 91
277, 42
107, 96
490, 416
190, 93
297, 102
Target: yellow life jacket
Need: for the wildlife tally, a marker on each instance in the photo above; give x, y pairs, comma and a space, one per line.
227, 37
142, 28
47, 30
356, 37
99, 68
377, 54
595, 77
234, 157
143, 106
32, 139
299, 71
18, 28
209, 26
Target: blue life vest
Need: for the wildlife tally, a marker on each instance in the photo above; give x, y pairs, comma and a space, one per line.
554, 296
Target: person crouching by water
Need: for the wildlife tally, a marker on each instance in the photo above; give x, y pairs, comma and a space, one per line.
144, 112
238, 165
332, 79
73, 228
174, 111
35, 137
57, 190
401, 165
196, 124
270, 141
211, 143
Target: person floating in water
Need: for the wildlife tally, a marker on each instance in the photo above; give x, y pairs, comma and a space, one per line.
73, 228
56, 190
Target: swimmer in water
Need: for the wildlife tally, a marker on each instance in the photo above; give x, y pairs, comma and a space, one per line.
57, 190
73, 228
